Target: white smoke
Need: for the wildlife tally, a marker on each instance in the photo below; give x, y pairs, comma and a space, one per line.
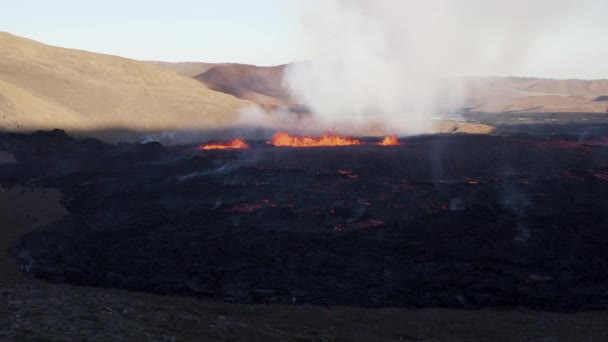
253, 116
390, 65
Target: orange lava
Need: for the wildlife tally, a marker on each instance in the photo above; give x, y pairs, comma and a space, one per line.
283, 139
233, 144
390, 141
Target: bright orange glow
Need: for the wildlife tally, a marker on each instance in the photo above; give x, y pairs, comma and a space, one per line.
233, 144
283, 139
390, 141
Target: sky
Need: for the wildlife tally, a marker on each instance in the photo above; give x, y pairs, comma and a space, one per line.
261, 32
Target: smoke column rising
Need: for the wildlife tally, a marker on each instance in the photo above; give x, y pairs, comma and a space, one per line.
388, 66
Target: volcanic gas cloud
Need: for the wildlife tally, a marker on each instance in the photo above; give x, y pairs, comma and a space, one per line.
399, 63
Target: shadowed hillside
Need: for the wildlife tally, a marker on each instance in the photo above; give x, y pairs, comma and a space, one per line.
46, 87
189, 69
262, 85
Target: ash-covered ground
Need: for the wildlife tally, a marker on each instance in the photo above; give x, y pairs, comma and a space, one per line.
445, 220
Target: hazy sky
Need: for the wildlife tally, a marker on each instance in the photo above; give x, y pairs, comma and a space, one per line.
250, 31
263, 32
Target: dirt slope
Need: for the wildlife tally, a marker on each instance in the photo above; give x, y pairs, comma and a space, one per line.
586, 88
535, 95
41, 312
46, 87
262, 85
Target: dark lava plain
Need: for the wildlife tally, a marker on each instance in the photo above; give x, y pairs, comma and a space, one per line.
441, 221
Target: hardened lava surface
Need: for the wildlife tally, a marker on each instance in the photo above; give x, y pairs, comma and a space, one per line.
446, 220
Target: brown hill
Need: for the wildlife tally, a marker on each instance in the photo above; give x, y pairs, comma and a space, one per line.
513, 94
592, 88
189, 69
43, 87
262, 85
480, 91
545, 104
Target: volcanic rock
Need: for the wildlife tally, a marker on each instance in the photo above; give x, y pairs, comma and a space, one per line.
433, 222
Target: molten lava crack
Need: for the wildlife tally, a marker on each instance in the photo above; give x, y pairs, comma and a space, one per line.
233, 144
282, 139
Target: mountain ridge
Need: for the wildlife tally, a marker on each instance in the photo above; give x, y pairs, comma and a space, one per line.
484, 94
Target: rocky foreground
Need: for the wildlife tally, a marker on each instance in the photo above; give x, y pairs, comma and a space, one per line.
46, 312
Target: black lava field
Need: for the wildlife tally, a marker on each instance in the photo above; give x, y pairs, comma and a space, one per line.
457, 221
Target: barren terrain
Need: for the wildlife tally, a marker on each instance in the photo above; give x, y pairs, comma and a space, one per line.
498, 235
438, 221
47, 87
261, 85
189, 69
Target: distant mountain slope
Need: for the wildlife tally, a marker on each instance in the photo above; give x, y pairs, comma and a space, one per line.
262, 85
585, 88
50, 87
189, 69
544, 104
511, 94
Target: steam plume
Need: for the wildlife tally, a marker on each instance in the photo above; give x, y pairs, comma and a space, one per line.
387, 66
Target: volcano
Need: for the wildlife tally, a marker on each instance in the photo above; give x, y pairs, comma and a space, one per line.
443, 220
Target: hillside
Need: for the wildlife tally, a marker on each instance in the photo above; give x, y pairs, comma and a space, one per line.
47, 87
545, 104
587, 88
189, 69
534, 95
262, 85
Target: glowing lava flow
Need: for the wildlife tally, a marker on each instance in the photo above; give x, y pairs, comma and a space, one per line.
283, 139
233, 144
390, 141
